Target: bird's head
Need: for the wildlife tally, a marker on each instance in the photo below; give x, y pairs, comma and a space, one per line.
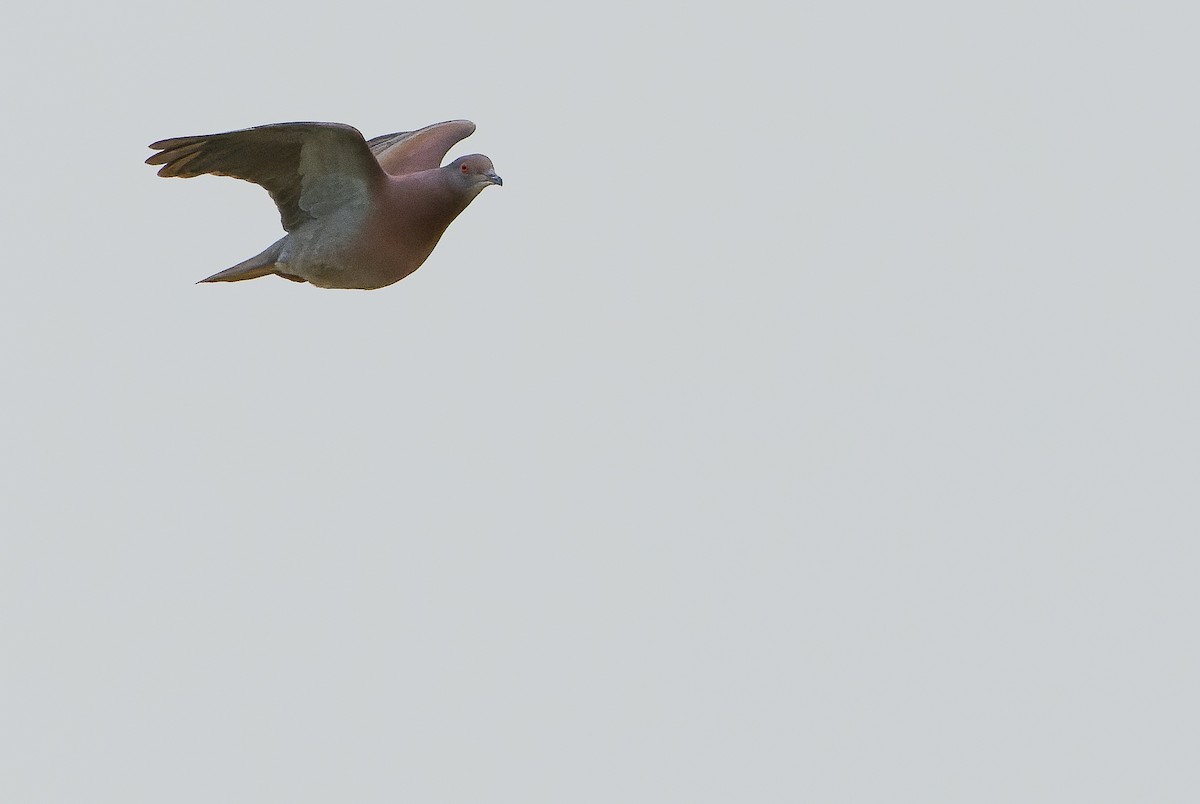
473, 172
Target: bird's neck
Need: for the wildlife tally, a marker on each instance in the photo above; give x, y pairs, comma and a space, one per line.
431, 197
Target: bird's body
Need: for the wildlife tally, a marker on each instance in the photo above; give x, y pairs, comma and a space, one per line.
357, 214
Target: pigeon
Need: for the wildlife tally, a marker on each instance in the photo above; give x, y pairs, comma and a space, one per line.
358, 213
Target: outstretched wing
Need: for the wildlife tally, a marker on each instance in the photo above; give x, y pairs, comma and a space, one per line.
309, 169
423, 149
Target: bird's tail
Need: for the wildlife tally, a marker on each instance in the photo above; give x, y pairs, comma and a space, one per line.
261, 265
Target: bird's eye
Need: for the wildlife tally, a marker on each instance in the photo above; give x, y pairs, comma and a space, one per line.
465, 169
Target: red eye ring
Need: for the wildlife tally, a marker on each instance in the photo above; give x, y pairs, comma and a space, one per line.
465, 168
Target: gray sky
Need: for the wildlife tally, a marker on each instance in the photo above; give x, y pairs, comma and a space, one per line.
810, 417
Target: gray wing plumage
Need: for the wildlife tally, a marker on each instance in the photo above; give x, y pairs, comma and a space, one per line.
308, 168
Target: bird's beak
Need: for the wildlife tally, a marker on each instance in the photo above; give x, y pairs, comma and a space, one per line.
494, 179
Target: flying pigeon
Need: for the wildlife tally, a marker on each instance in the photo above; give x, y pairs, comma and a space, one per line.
358, 213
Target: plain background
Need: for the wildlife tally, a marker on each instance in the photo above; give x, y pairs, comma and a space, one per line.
810, 417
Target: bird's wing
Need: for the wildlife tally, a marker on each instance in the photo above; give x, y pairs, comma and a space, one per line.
413, 151
309, 169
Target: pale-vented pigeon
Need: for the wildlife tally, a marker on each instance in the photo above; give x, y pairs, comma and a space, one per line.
358, 214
